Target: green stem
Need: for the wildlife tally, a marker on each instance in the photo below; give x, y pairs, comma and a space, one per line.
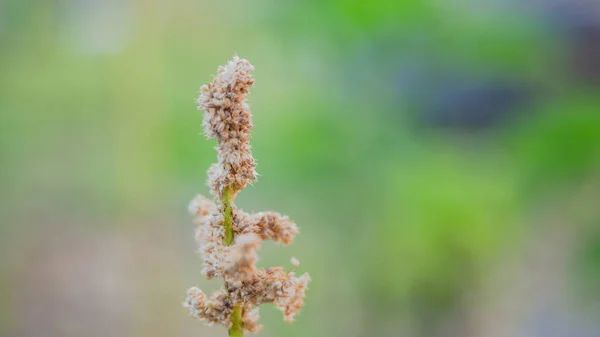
236, 329
228, 216
237, 324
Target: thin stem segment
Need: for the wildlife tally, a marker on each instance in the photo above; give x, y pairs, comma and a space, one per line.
228, 216
237, 324
236, 329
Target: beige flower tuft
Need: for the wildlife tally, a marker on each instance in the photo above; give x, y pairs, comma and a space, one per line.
229, 238
216, 309
227, 119
201, 208
250, 319
242, 258
269, 225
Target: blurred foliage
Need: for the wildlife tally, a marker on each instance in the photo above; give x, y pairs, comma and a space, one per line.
404, 222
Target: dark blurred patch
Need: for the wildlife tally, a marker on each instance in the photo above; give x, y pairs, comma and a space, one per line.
579, 24
585, 54
474, 104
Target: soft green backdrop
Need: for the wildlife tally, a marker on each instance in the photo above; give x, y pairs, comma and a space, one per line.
410, 225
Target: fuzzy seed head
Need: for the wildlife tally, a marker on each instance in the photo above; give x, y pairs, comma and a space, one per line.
227, 119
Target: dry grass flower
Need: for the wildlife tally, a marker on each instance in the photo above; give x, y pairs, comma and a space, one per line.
228, 237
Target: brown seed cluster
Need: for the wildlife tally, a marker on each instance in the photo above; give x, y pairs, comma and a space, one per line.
227, 118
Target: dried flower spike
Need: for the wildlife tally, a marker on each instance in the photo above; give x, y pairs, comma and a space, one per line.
228, 237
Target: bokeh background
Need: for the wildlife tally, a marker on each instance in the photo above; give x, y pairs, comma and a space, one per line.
441, 157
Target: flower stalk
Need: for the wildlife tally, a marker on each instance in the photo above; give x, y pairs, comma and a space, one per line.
228, 237
228, 216
236, 329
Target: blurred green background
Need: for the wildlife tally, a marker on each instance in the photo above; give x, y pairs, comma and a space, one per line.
442, 159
